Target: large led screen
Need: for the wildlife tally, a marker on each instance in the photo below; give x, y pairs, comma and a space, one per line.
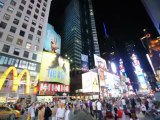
52, 41
54, 68
90, 82
100, 63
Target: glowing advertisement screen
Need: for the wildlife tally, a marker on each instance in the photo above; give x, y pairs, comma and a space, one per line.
51, 89
84, 61
54, 68
90, 82
52, 41
100, 63
139, 72
112, 81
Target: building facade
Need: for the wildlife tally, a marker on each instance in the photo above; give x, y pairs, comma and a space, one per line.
22, 29
79, 35
153, 9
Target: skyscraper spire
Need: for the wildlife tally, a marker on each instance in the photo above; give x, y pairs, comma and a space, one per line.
105, 30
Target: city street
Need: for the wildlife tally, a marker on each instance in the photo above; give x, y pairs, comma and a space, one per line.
140, 117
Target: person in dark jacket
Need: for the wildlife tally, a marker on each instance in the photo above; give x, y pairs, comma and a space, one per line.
48, 112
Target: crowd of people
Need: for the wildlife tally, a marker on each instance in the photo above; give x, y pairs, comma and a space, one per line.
97, 109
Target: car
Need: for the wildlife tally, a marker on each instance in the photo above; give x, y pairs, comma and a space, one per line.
9, 112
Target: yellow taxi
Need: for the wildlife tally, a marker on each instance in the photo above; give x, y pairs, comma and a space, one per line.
9, 112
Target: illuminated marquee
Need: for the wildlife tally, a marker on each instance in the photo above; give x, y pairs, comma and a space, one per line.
16, 78
51, 89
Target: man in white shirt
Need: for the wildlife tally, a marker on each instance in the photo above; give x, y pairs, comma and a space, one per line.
124, 103
60, 112
31, 111
99, 109
94, 108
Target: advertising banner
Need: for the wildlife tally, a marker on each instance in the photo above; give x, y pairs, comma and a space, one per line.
7, 61
90, 82
52, 89
139, 72
100, 63
54, 68
112, 81
84, 60
52, 40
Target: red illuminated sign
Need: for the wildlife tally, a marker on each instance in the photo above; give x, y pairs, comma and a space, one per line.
51, 89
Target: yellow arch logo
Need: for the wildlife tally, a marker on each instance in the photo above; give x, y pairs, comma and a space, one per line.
16, 79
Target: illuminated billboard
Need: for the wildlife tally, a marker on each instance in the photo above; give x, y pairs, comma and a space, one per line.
52, 41
100, 63
54, 68
52, 89
16, 77
90, 82
139, 72
84, 60
112, 81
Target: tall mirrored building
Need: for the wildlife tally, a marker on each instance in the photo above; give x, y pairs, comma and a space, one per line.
153, 9
79, 35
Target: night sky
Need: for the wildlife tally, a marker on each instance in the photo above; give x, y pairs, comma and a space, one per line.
124, 19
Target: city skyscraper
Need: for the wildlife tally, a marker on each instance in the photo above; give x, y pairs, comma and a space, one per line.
79, 35
153, 9
22, 29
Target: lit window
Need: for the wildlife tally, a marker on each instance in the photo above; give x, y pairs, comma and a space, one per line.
3, 25
19, 42
26, 54
40, 26
39, 33
36, 48
42, 20
26, 18
16, 51
13, 29
30, 6
30, 36
21, 7
22, 33
1, 4
16, 21
18, 14
23, 2
33, 22
9, 38
28, 45
10, 9
13, 2
6, 48
32, 29
24, 25
6, 17
37, 39
34, 57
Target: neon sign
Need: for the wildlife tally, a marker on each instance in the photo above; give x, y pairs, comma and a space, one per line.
16, 78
